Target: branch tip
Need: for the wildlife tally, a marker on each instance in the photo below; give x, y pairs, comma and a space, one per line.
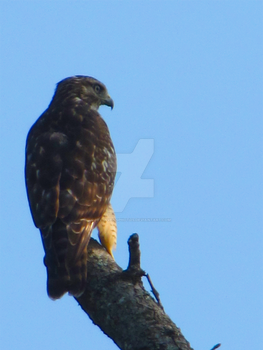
135, 254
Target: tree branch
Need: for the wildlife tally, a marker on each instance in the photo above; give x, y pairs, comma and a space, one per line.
117, 302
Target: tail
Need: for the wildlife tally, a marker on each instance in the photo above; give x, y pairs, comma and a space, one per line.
62, 278
64, 274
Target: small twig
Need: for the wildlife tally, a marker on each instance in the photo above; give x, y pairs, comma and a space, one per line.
216, 346
154, 291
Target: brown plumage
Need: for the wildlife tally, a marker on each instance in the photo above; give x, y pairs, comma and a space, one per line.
70, 172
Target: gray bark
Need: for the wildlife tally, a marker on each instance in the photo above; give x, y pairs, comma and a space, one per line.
117, 302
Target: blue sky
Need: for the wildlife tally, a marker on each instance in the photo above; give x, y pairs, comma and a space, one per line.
187, 81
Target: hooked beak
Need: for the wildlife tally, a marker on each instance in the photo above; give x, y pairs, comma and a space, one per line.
108, 102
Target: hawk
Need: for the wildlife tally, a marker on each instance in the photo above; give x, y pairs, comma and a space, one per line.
70, 171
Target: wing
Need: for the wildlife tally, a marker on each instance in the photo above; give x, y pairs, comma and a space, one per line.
43, 172
70, 171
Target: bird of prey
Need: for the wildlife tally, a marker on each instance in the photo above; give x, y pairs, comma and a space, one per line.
70, 171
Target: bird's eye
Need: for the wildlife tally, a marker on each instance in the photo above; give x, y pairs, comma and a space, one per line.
97, 89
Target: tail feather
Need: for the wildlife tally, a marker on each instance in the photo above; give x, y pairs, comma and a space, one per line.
58, 280
78, 275
64, 274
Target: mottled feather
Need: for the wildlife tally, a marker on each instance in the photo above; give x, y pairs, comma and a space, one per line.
70, 172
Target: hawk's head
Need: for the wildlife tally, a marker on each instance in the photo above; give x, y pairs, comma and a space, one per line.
84, 88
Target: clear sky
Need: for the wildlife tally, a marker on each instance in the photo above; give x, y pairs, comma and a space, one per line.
187, 81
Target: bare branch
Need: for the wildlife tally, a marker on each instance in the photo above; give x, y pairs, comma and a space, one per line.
117, 302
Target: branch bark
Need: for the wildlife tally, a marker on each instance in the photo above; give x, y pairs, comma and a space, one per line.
116, 301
